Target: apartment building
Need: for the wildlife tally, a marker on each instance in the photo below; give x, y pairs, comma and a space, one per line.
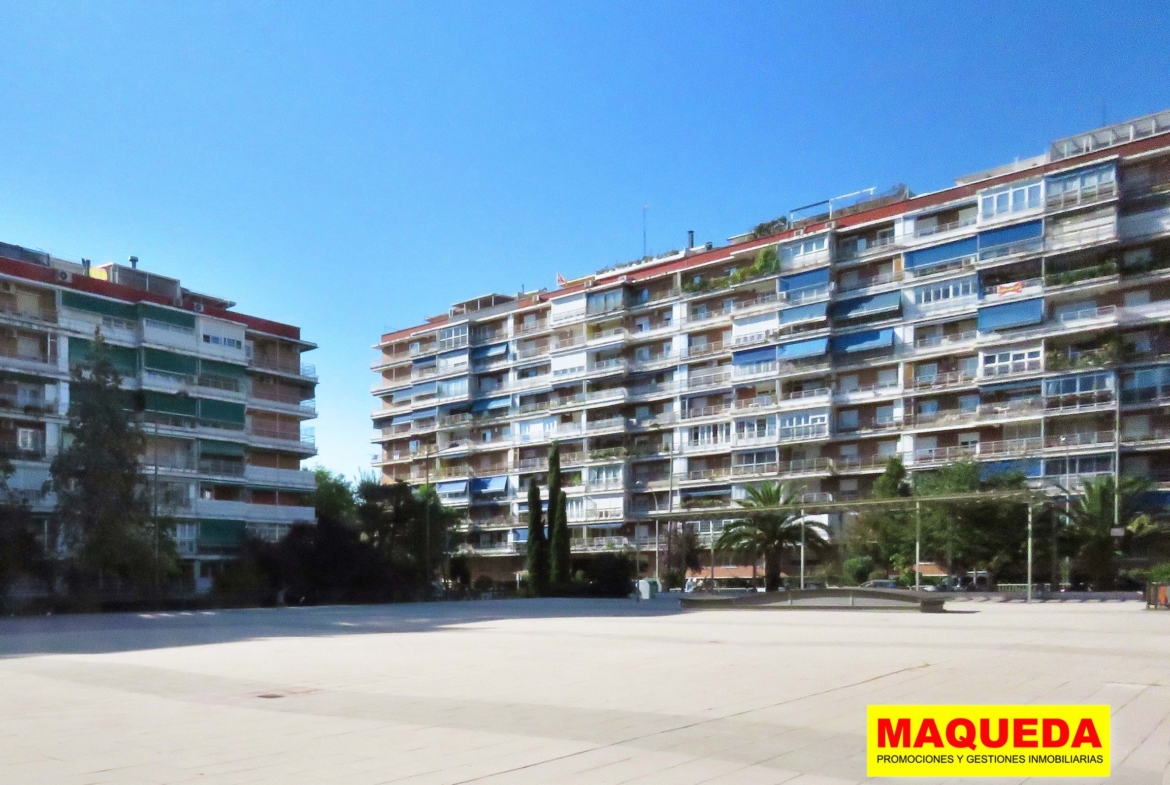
1020, 318
225, 396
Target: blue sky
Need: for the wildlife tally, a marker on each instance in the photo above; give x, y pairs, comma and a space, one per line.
355, 167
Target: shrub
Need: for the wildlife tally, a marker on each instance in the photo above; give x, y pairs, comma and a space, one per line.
1160, 573
857, 569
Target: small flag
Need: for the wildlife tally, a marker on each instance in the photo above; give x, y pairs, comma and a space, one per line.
561, 280
1010, 288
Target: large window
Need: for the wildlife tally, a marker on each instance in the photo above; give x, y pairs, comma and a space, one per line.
806, 248
1015, 361
756, 428
603, 302
1086, 383
701, 435
1013, 199
948, 290
453, 337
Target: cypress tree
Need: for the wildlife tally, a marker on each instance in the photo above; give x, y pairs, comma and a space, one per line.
560, 545
537, 545
558, 569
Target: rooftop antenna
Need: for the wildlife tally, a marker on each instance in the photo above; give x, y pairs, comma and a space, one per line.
645, 207
134, 262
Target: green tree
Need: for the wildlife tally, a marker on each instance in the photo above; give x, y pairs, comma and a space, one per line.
558, 524
20, 551
771, 527
886, 534
1091, 520
538, 567
103, 510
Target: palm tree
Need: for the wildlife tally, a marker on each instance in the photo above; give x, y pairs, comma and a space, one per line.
1091, 518
772, 525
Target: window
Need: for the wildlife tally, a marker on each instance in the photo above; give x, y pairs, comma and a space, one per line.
968, 403
222, 340
1009, 200
927, 408
847, 420
926, 372
849, 382
604, 302
886, 449
702, 435
805, 248
753, 429
1090, 382
453, 337
27, 439
941, 292
760, 459
885, 415
1068, 188
1017, 361
848, 451
605, 475
969, 440
888, 377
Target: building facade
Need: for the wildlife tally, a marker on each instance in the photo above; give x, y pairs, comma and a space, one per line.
223, 396
1020, 319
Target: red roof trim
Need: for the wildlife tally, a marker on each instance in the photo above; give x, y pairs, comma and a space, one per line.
867, 216
83, 283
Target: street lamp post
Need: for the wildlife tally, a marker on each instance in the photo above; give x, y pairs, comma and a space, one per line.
1029, 594
918, 545
802, 550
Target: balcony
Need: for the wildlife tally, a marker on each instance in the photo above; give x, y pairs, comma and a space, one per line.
1093, 194
292, 367
936, 229
1066, 238
708, 380
848, 250
705, 411
941, 380
802, 432
278, 513
539, 325
298, 479
869, 282
278, 437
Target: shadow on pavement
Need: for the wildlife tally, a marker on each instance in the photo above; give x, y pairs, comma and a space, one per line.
105, 633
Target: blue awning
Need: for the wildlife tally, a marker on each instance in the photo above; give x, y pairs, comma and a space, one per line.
754, 356
1011, 234
402, 395
426, 388
423, 362
813, 347
790, 283
451, 355
864, 342
424, 414
455, 488
489, 484
400, 419
941, 254
490, 404
804, 312
1029, 467
496, 350
863, 306
1018, 314
720, 491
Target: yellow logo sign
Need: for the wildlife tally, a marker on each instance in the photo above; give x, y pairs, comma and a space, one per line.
987, 741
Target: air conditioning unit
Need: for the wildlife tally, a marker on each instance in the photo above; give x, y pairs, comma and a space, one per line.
7, 287
197, 307
64, 276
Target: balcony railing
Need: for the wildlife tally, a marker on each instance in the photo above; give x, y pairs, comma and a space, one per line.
1084, 195
949, 226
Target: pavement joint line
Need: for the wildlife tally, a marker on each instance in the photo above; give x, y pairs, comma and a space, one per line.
688, 726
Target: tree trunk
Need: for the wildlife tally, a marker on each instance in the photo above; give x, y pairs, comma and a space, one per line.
773, 566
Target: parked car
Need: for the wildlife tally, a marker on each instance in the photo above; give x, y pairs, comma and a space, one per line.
880, 583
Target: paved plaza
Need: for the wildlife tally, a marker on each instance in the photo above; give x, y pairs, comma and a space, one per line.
540, 691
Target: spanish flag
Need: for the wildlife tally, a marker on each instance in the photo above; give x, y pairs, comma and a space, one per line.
561, 280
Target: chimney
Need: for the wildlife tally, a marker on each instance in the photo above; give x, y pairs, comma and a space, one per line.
134, 262
690, 239
85, 266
